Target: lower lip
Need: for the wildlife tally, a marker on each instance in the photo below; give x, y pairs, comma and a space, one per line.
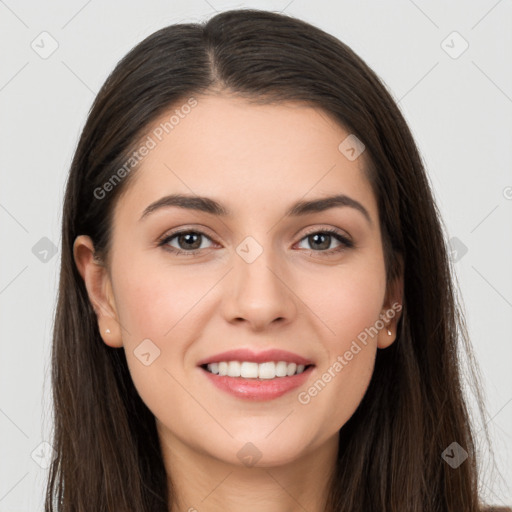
255, 389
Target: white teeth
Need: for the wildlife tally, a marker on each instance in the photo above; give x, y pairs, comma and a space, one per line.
249, 370
234, 369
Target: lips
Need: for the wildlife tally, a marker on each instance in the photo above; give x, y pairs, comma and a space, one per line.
243, 354
258, 389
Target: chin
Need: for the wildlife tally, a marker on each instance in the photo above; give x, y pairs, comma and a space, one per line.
263, 450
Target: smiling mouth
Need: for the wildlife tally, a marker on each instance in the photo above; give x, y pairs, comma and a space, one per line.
255, 371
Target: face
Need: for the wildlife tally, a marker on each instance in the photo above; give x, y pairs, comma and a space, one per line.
186, 284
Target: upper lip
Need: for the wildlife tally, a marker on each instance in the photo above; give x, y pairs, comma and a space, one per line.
245, 354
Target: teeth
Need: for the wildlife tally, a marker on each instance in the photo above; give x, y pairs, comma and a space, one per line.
249, 370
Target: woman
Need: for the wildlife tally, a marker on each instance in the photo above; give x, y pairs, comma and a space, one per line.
207, 354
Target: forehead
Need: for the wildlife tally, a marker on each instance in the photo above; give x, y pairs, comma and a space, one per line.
249, 156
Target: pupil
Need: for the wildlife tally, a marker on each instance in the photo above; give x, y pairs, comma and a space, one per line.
188, 239
326, 237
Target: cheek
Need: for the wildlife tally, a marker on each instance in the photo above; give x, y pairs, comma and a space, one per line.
156, 316
346, 301
348, 304
153, 306
154, 302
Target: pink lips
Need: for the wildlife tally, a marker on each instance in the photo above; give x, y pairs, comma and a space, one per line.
256, 389
243, 354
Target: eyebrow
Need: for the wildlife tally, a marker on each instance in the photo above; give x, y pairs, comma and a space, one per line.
208, 205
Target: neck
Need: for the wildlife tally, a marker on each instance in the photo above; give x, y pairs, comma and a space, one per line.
201, 482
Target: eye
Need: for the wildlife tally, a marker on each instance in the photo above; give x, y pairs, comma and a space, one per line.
322, 239
190, 240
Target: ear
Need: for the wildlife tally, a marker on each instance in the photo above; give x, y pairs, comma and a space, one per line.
99, 289
391, 311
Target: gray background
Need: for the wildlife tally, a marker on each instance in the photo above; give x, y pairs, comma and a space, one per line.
458, 105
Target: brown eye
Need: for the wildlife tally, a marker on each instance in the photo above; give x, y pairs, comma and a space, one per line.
187, 242
320, 241
190, 242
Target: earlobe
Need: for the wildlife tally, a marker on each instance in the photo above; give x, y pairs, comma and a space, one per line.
99, 289
391, 313
386, 337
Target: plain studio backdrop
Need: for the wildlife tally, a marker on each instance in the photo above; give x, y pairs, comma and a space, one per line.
449, 67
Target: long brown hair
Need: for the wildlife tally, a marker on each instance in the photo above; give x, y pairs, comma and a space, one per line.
108, 452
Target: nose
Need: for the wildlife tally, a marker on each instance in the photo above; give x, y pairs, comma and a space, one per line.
259, 293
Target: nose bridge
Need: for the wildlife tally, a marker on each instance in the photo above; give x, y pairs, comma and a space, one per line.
259, 294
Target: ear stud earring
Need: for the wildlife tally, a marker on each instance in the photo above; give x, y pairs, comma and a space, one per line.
389, 332
108, 331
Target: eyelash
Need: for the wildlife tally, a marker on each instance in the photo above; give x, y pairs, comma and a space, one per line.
345, 242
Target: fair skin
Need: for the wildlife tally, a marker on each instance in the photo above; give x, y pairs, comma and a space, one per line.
256, 160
